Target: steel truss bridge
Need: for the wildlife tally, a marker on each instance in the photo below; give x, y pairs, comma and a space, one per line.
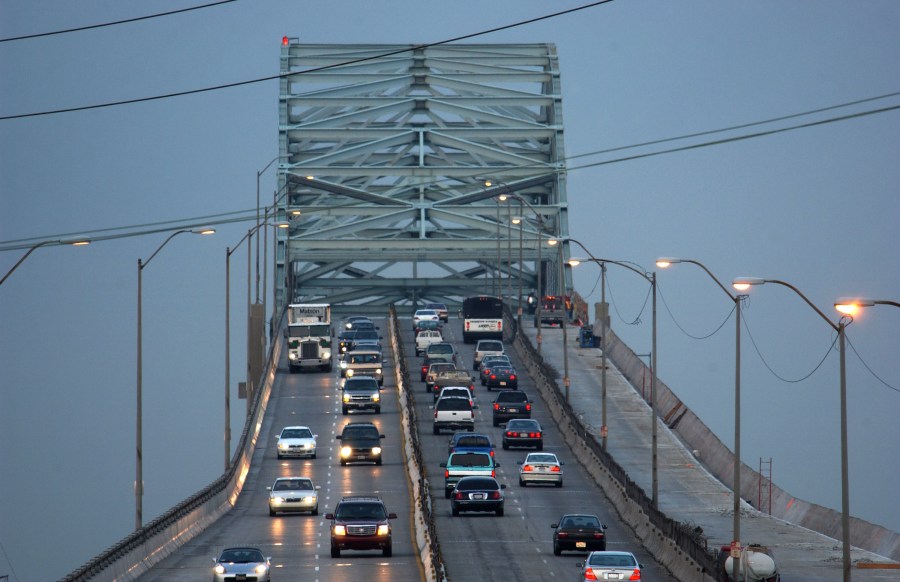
394, 163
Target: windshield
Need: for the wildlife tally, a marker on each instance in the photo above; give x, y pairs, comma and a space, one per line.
360, 432
242, 556
470, 460
292, 484
310, 330
364, 358
612, 560
350, 511
366, 384
296, 433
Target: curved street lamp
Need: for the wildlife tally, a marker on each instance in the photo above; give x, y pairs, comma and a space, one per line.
742, 283
663, 263
139, 455
75, 242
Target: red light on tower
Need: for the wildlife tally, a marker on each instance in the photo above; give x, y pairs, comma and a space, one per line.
285, 41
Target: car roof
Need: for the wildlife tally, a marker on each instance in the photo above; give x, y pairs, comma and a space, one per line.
298, 426
523, 422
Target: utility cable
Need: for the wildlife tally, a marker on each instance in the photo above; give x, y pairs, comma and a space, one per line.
612, 299
866, 366
307, 71
679, 326
105, 24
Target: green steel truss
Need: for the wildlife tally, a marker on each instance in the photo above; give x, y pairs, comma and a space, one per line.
386, 151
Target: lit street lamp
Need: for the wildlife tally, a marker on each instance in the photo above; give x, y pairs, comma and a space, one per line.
654, 439
742, 283
139, 459
76, 242
557, 242
664, 262
851, 306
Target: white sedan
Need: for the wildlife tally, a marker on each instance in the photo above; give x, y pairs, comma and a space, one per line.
296, 441
540, 468
293, 494
425, 315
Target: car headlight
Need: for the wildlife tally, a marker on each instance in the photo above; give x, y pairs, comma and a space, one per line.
376, 450
261, 569
282, 445
378, 371
376, 397
384, 529
326, 354
346, 398
219, 569
339, 530
278, 499
293, 355
349, 373
345, 451
309, 499
343, 364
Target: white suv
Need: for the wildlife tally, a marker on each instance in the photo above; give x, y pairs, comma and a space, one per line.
487, 348
454, 413
425, 338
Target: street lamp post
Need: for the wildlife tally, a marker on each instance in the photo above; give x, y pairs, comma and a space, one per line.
742, 283
259, 173
664, 262
562, 292
76, 242
518, 220
654, 439
139, 460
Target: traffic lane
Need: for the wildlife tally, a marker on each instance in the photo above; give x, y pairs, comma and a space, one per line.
520, 543
299, 544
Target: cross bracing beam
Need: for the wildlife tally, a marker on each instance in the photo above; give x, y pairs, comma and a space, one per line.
387, 160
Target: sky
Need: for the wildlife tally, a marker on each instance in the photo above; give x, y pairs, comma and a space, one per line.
816, 207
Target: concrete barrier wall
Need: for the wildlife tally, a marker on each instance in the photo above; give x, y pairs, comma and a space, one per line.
144, 548
719, 460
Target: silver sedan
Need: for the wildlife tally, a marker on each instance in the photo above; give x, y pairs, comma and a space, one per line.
610, 566
296, 441
541, 468
290, 494
241, 564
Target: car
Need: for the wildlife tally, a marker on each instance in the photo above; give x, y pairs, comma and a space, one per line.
467, 442
425, 338
433, 370
523, 432
289, 494
296, 441
360, 393
360, 443
477, 494
444, 350
426, 364
577, 532
540, 468
345, 340
510, 404
456, 392
425, 315
484, 369
427, 325
447, 378
487, 347
467, 464
241, 564
363, 362
503, 377
454, 413
610, 566
441, 309
351, 322
361, 523
366, 339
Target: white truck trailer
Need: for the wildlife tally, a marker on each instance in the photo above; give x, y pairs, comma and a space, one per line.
309, 336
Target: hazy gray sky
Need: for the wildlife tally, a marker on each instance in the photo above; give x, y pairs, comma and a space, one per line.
816, 207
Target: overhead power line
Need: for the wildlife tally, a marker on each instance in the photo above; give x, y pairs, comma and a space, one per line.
117, 22
315, 70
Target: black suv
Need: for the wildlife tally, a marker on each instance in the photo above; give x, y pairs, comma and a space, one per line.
360, 393
511, 404
360, 442
360, 523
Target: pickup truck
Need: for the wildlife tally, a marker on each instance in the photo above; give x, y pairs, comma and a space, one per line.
461, 465
454, 413
425, 338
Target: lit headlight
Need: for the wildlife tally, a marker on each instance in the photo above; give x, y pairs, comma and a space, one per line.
376, 450
309, 498
278, 499
378, 371
346, 398
326, 354
261, 569
384, 529
349, 373
376, 397
293, 355
219, 569
340, 530
343, 364
345, 451
282, 445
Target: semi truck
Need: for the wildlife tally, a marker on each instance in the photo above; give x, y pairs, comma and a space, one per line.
309, 335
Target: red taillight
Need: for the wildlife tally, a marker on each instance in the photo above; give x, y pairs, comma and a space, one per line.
527, 468
528, 407
495, 495
496, 406
598, 535
562, 534
636, 575
589, 574
499, 325
492, 452
512, 376
467, 326
458, 495
493, 473
510, 433
554, 469
535, 435
493, 376
435, 413
446, 473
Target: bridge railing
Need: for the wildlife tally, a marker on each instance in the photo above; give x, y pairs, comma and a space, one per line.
141, 549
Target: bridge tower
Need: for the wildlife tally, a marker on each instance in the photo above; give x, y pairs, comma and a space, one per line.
386, 153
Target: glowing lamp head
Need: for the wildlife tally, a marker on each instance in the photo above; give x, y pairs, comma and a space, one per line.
744, 283
852, 305
664, 262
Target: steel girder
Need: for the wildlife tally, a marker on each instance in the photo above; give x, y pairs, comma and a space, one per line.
385, 152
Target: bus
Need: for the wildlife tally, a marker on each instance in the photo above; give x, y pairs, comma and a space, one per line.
482, 318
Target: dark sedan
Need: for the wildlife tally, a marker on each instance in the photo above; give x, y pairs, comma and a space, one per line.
521, 432
578, 533
511, 404
502, 377
483, 494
